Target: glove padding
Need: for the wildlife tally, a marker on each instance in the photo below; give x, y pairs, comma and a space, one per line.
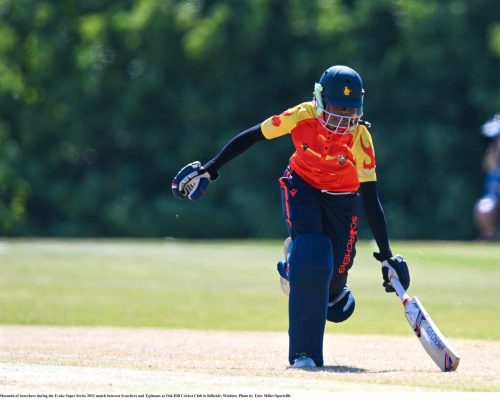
394, 266
191, 182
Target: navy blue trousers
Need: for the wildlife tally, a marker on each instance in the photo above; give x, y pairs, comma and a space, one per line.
309, 210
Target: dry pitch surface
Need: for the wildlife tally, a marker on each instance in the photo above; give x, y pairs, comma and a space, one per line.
117, 360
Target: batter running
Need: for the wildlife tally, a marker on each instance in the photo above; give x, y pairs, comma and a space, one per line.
331, 170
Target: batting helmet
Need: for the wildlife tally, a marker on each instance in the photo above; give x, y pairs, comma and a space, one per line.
339, 86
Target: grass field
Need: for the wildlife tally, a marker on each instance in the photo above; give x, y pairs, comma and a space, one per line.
83, 316
233, 285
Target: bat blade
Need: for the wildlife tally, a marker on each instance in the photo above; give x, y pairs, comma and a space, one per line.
431, 338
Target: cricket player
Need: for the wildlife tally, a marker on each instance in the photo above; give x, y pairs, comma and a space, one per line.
486, 208
330, 172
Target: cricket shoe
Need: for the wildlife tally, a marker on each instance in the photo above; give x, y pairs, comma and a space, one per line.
304, 362
283, 267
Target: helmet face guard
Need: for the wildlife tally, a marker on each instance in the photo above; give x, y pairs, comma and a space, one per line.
339, 99
336, 123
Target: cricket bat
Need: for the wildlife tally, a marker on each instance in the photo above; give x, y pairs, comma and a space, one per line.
431, 338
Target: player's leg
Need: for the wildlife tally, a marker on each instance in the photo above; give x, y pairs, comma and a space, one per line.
283, 266
341, 226
299, 203
310, 264
341, 306
485, 216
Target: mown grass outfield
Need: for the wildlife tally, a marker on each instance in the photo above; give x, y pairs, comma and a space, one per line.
210, 289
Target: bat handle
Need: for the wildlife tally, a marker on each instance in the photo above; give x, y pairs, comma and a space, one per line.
400, 290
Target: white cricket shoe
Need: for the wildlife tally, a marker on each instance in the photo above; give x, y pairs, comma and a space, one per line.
304, 362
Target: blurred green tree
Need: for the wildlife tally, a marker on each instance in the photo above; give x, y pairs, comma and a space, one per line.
102, 102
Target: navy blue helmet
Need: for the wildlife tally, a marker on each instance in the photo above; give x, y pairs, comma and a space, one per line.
339, 87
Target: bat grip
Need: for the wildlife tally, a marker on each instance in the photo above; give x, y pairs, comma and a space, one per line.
400, 290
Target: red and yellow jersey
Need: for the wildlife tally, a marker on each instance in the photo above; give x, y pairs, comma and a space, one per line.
325, 160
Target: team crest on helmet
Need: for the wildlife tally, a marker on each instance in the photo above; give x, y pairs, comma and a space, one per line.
341, 159
347, 91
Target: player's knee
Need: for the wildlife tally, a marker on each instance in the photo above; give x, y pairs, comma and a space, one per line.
311, 261
486, 205
341, 309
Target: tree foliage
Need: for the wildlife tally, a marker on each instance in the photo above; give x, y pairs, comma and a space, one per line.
102, 102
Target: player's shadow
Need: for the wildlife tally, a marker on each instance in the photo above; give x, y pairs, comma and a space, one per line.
343, 369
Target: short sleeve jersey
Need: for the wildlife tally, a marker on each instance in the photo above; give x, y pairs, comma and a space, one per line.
325, 160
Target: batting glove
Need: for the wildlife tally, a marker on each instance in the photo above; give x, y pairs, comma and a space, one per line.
394, 266
191, 181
